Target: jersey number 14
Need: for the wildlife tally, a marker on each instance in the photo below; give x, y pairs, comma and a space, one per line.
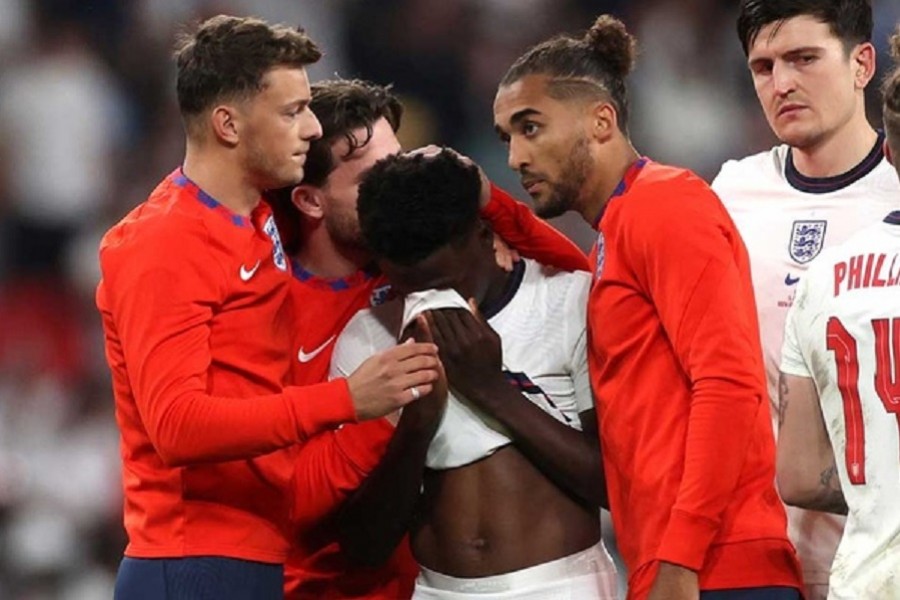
887, 384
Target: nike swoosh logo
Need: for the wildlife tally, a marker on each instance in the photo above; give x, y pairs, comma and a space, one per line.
305, 357
246, 273
788, 280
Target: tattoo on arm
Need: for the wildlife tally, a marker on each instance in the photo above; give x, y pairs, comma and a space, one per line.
830, 498
783, 392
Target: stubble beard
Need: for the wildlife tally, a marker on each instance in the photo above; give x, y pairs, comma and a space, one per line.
564, 194
344, 231
271, 175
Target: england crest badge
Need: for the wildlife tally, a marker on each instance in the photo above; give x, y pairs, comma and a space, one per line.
807, 238
278, 255
380, 295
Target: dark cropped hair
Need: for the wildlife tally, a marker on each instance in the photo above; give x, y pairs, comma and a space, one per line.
891, 94
342, 107
849, 20
595, 64
227, 57
411, 206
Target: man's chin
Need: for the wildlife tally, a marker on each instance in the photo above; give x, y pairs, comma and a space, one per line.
548, 209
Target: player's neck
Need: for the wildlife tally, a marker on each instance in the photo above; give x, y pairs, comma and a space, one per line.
216, 174
497, 289
321, 255
838, 153
603, 180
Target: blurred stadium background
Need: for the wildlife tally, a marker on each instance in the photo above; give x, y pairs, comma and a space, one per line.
88, 125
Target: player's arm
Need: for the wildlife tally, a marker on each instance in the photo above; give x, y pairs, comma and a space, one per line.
684, 257
332, 465
530, 235
470, 351
806, 468
376, 517
163, 303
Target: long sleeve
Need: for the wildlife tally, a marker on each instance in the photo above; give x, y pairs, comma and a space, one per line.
530, 235
332, 465
162, 305
694, 266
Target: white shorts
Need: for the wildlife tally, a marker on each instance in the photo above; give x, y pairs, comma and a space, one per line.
586, 575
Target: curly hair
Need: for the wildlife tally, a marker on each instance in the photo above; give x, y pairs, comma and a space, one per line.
594, 65
850, 20
342, 106
227, 58
891, 95
411, 205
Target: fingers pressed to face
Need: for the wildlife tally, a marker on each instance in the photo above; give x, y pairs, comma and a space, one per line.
423, 330
460, 325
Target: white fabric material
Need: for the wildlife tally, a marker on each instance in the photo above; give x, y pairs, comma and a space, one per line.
867, 564
765, 207
465, 433
586, 575
542, 331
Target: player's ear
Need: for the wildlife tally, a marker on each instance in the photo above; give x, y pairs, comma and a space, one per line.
225, 123
309, 200
864, 60
603, 121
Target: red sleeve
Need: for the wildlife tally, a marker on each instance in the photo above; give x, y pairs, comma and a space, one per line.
333, 464
530, 235
163, 301
694, 266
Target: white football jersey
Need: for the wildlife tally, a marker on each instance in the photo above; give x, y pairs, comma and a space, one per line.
785, 220
844, 332
541, 323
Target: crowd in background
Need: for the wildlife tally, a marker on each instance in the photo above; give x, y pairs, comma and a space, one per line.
88, 125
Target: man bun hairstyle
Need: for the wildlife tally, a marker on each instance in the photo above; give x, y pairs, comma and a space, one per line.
411, 205
594, 65
610, 42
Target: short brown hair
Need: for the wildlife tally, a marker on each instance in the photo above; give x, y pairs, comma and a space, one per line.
227, 58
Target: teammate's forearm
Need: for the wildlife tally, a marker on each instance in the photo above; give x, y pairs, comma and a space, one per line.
564, 454
720, 425
375, 518
192, 427
806, 468
530, 235
332, 465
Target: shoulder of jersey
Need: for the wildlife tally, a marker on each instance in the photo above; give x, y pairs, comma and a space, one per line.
567, 284
751, 170
885, 176
858, 243
167, 220
385, 316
